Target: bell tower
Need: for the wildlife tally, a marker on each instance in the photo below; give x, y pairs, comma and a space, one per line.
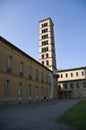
47, 55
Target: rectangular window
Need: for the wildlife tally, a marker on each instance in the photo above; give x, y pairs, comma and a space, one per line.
45, 43
71, 86
45, 49
6, 90
45, 36
21, 69
42, 92
29, 90
44, 25
47, 91
49, 79
42, 77
77, 85
10, 64
65, 86
45, 30
30, 72
36, 91
84, 84
20, 89
37, 75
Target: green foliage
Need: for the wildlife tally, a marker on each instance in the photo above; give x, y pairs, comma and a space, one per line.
75, 116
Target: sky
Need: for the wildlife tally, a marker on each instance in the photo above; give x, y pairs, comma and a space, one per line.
19, 24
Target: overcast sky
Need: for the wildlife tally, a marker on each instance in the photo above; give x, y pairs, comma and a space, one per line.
19, 24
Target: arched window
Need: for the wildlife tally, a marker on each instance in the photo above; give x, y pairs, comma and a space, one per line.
47, 62
71, 74
42, 62
61, 75
42, 56
47, 55
66, 75
82, 73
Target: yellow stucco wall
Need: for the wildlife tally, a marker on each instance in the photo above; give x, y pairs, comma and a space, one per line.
7, 50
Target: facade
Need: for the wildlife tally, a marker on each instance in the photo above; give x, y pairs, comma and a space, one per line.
72, 83
22, 78
47, 55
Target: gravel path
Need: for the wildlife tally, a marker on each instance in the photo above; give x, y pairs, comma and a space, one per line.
39, 116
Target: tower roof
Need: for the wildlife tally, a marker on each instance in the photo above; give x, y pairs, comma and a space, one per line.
46, 19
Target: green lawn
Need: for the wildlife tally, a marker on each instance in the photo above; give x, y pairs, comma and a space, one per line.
75, 116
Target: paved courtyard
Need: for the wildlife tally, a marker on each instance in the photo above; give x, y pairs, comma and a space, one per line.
39, 116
